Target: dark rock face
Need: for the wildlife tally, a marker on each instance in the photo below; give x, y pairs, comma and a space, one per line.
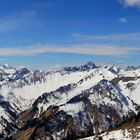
130, 86
9, 125
47, 125
129, 129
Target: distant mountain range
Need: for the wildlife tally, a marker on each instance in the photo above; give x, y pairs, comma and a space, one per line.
69, 103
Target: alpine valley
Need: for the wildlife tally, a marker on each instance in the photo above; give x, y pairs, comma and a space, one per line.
83, 102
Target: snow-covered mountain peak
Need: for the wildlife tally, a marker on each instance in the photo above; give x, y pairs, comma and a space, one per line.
114, 68
129, 68
6, 66
82, 93
88, 66
7, 70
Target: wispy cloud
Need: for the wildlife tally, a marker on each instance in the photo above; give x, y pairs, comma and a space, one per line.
16, 21
90, 49
122, 20
131, 3
115, 37
2, 58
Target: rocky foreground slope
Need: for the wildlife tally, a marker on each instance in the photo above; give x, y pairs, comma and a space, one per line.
70, 103
129, 130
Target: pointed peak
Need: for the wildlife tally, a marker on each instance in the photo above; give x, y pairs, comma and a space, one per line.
90, 63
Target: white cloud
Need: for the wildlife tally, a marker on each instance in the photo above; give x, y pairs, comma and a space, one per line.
114, 37
90, 49
131, 3
122, 20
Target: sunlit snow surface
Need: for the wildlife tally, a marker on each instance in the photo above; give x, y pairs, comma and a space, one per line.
116, 135
133, 94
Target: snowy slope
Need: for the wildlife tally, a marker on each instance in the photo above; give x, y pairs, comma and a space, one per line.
131, 73
92, 106
91, 79
26, 85
116, 135
71, 89
132, 90
20, 87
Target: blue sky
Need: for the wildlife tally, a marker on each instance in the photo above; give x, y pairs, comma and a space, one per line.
47, 33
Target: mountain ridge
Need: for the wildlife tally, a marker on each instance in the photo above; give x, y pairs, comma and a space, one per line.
22, 87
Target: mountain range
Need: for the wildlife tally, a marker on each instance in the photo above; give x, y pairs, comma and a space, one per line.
70, 103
